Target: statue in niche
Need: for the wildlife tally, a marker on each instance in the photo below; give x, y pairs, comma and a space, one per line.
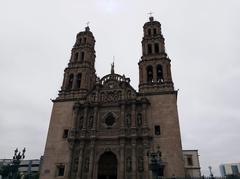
81, 122
119, 94
129, 94
86, 166
139, 119
128, 120
75, 167
90, 122
129, 164
140, 164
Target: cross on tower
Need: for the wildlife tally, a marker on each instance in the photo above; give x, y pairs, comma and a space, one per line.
112, 66
150, 13
88, 23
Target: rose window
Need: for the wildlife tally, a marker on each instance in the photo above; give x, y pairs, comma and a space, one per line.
110, 120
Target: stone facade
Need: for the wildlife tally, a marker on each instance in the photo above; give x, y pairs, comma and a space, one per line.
192, 164
103, 128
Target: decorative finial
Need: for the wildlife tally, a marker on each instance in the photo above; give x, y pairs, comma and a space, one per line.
112, 66
88, 23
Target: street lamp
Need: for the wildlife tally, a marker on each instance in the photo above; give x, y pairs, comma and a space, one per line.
155, 164
210, 170
16, 161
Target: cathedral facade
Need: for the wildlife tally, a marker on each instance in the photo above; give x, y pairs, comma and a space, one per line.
102, 128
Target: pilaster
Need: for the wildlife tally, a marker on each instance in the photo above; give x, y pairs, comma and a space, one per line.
122, 159
91, 160
80, 161
134, 161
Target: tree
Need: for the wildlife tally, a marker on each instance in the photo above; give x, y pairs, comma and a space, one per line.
5, 170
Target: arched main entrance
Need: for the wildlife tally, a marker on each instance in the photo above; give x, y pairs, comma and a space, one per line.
107, 166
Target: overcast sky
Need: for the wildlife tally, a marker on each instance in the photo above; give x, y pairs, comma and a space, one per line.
202, 39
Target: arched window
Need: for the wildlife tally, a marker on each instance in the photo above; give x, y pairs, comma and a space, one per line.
159, 74
79, 80
149, 48
70, 81
80, 40
149, 74
139, 119
156, 48
154, 31
149, 32
75, 57
82, 56
84, 40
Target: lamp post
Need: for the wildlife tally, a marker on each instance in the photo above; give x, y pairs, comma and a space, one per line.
210, 170
155, 163
16, 161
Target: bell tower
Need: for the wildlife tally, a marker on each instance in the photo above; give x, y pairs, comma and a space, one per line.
154, 66
79, 76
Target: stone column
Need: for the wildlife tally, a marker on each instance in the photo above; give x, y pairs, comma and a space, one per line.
122, 119
75, 116
85, 118
145, 159
134, 161
95, 119
80, 161
71, 148
140, 75
169, 75
133, 115
122, 156
74, 81
122, 116
64, 83
144, 116
91, 160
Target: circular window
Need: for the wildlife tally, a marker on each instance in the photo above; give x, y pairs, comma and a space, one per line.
110, 120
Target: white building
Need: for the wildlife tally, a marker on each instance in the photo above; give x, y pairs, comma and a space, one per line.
191, 161
230, 169
25, 167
